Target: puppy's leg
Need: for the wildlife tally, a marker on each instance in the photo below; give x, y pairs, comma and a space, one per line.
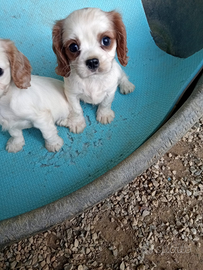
125, 85
76, 120
45, 123
16, 142
104, 112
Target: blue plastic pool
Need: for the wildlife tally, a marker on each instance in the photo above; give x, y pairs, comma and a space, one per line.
34, 177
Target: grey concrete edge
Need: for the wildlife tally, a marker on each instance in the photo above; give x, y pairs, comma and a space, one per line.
27, 224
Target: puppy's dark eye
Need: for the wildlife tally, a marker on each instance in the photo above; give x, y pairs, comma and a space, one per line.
1, 71
106, 41
74, 47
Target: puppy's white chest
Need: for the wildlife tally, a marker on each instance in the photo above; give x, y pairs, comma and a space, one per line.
93, 93
93, 89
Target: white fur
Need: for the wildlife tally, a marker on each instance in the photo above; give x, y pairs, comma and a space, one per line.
96, 87
39, 106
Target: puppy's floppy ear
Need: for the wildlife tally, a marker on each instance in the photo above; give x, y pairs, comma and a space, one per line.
121, 37
63, 68
20, 65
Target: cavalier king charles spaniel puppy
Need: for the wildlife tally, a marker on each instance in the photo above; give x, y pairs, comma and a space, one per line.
85, 44
29, 101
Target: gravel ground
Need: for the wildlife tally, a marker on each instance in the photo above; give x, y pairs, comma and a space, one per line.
155, 222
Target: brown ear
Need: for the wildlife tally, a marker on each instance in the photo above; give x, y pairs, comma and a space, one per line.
20, 65
121, 37
63, 68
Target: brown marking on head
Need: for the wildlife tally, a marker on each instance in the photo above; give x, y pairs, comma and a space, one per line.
20, 65
121, 37
63, 68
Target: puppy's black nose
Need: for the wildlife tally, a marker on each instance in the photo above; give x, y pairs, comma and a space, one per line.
93, 63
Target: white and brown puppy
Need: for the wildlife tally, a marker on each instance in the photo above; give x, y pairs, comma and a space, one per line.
85, 44
41, 105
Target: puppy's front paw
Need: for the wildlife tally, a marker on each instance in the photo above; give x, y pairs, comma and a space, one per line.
14, 145
126, 87
105, 116
62, 122
76, 125
54, 147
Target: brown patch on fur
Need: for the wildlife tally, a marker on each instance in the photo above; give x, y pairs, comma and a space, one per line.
111, 35
20, 65
63, 68
121, 37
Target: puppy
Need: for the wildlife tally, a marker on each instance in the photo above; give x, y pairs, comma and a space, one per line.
85, 44
41, 105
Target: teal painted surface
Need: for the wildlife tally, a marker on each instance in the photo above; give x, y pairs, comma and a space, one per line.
35, 177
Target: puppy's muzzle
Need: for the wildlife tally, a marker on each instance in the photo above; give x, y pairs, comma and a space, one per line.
92, 64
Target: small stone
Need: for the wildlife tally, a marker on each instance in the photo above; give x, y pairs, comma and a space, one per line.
76, 243
192, 169
155, 203
94, 264
94, 236
68, 267
69, 233
115, 252
194, 231
42, 263
48, 259
134, 223
145, 213
196, 239
155, 183
189, 193
55, 265
87, 251
175, 232
13, 265
46, 267
18, 258
198, 244
31, 240
153, 193
122, 266
164, 199
53, 259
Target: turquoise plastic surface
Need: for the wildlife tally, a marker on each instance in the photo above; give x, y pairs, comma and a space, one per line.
35, 177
